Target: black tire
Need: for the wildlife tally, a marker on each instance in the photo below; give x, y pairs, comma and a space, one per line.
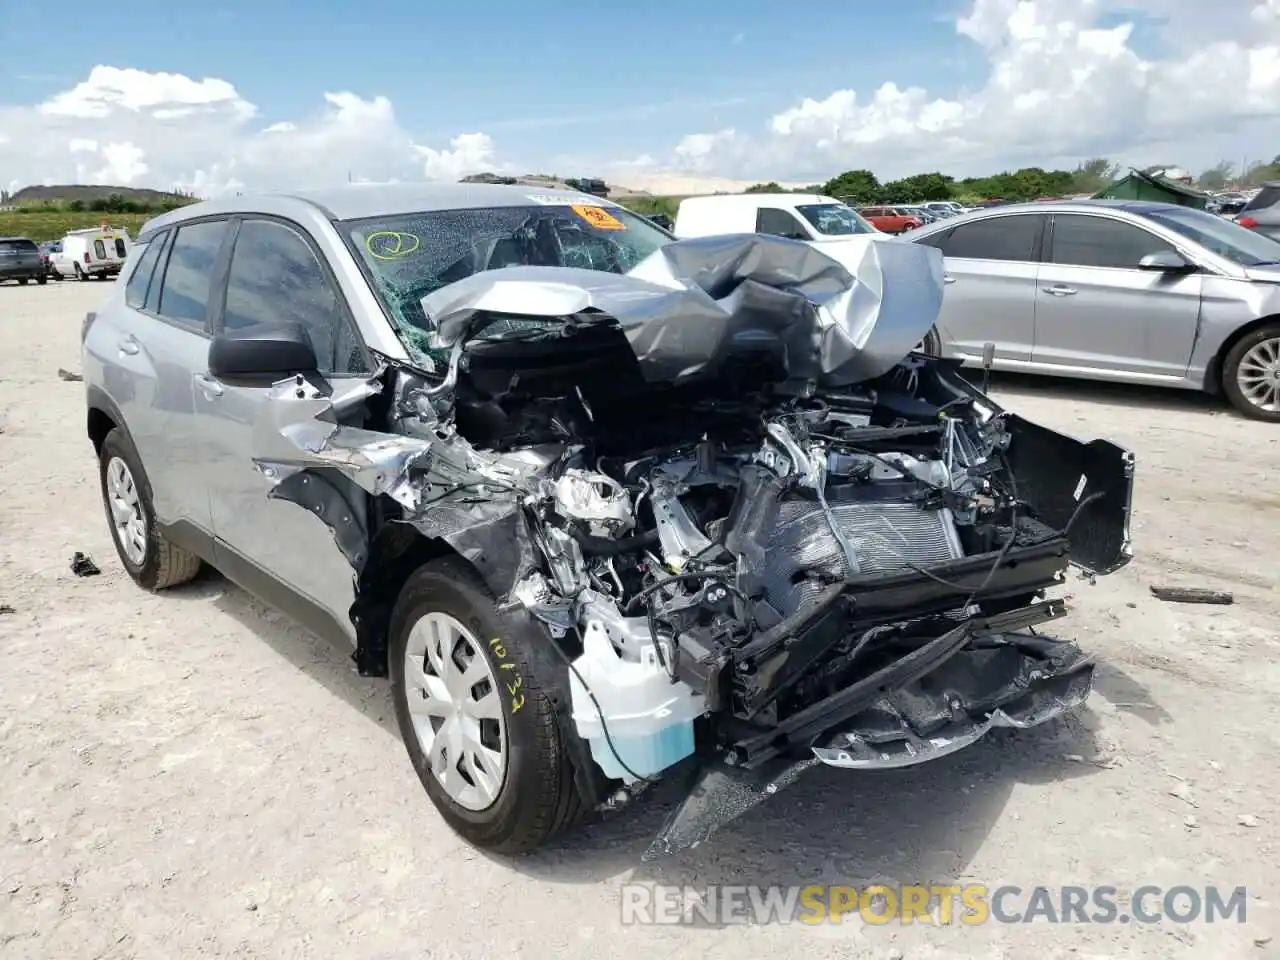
931, 344
42, 280
1231, 370
538, 798
163, 564
22, 281
80, 274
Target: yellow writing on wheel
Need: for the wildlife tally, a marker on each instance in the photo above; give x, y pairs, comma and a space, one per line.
598, 217
391, 245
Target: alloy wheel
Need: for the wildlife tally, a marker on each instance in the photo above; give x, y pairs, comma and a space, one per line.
1258, 375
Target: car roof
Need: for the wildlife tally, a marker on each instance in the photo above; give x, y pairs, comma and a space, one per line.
28, 239
357, 201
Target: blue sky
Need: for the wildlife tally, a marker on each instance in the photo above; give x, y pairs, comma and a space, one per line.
140, 94
619, 78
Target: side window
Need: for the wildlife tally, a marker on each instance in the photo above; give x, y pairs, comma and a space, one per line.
184, 295
938, 239
135, 291
163, 243
120, 249
275, 278
779, 223
999, 238
99, 251
1085, 241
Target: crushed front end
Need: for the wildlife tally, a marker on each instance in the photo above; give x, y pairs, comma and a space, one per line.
760, 532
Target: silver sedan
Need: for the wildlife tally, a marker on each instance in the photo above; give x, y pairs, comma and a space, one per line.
1128, 291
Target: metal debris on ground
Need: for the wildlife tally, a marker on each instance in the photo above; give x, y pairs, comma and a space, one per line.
82, 565
1192, 595
68, 375
6, 608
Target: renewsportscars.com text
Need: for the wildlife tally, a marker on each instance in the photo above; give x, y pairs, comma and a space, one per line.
944, 904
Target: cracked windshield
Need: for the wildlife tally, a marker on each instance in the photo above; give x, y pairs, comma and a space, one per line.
412, 255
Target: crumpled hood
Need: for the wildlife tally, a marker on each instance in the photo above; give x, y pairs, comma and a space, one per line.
840, 314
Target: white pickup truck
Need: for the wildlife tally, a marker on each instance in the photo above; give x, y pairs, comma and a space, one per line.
796, 216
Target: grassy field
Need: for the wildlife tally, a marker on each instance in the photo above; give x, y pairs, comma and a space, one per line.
52, 226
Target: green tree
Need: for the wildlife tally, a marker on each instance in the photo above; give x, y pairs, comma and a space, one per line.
1092, 175
857, 186
770, 187
919, 188
1216, 177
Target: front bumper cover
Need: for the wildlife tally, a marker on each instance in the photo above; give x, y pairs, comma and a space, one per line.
1006, 680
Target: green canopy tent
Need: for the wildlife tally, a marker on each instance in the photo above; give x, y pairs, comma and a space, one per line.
1144, 186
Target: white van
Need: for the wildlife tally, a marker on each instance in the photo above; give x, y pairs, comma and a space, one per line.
92, 252
797, 216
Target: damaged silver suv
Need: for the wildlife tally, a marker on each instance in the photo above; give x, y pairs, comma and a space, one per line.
604, 506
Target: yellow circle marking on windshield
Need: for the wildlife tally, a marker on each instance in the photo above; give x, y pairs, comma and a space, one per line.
390, 245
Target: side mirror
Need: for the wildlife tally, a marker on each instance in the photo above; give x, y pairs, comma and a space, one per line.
262, 352
1167, 261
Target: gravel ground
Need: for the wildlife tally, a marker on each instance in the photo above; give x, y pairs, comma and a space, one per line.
191, 775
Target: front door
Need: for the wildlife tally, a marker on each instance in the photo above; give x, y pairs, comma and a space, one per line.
276, 277
1096, 311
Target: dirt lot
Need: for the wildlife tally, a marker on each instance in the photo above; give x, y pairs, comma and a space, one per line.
190, 775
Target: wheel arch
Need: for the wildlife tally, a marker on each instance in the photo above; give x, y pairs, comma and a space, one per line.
395, 552
1214, 370
102, 416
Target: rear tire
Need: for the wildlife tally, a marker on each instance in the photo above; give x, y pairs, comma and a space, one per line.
1251, 374
42, 280
150, 560
22, 281
537, 798
80, 274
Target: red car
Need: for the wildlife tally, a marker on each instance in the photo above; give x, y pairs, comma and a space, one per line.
890, 219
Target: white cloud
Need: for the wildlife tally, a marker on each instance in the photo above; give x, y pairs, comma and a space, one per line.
1064, 83
163, 130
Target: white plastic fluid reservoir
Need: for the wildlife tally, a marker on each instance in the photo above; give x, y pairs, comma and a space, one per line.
650, 719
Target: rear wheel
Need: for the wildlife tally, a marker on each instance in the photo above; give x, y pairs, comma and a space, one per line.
472, 699
80, 274
22, 281
1251, 374
42, 279
152, 561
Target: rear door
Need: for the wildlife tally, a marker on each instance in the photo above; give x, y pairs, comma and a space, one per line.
1096, 311
276, 275
990, 294
149, 345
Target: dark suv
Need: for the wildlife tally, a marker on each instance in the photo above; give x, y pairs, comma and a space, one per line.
20, 260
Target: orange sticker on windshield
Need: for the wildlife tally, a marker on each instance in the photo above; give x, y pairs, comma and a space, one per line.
598, 217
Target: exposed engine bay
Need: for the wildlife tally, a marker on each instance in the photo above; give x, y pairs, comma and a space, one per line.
749, 569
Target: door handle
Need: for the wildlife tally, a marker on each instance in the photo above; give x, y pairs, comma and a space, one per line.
1060, 290
948, 278
208, 386
129, 345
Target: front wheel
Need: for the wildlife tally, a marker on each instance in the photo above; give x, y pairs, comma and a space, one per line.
42, 279
472, 699
1251, 374
22, 281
